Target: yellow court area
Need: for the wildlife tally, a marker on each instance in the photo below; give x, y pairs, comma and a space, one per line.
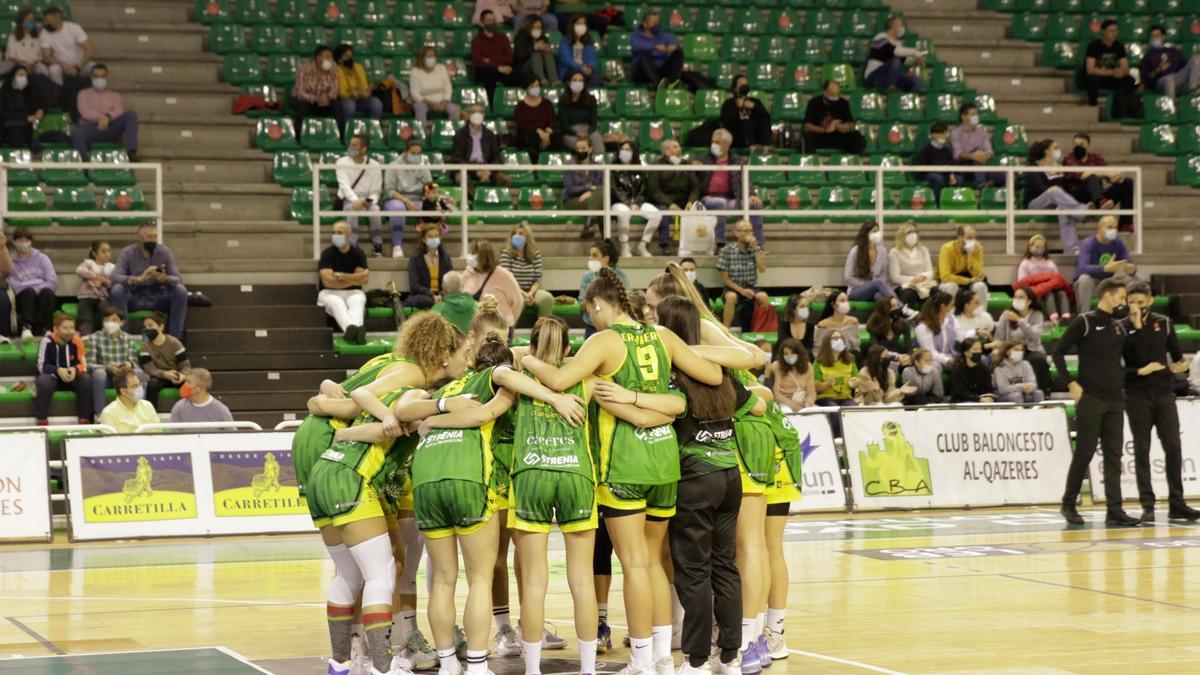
1012, 591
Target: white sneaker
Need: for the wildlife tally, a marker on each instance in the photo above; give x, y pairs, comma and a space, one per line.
393, 670
734, 667
26, 335
336, 667
686, 668
643, 250
665, 666
508, 643
397, 251
629, 669
358, 656
625, 252
443, 671
551, 640
417, 651
776, 645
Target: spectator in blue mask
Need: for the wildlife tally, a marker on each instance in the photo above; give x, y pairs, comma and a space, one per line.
1165, 69
427, 269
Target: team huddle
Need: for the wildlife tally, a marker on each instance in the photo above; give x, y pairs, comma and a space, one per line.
653, 441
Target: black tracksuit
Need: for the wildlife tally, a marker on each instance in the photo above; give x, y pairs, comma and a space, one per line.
1150, 403
1099, 414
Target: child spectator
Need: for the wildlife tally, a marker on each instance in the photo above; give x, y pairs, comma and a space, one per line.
791, 377
1013, 376
833, 371
111, 353
34, 285
61, 366
163, 357
94, 282
1040, 275
925, 378
875, 383
970, 379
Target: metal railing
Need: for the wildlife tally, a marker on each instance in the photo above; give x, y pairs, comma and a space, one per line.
198, 426
880, 213
155, 214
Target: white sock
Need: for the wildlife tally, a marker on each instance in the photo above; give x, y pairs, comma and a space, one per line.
661, 637
748, 636
449, 661
403, 624
760, 622
775, 619
603, 606
533, 657
676, 611
501, 615
587, 657
477, 662
640, 653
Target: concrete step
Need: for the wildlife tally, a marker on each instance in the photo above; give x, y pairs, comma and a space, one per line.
206, 206
205, 340
149, 104
201, 71
257, 380
1000, 85
98, 14
259, 295
307, 315
1060, 116
948, 7
984, 29
1016, 57
190, 173
132, 42
183, 136
225, 361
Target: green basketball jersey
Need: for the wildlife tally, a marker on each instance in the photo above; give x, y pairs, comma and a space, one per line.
548, 441
629, 454
369, 371
365, 458
787, 440
460, 454
390, 479
503, 436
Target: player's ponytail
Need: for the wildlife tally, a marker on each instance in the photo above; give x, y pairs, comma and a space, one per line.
609, 288
549, 339
493, 352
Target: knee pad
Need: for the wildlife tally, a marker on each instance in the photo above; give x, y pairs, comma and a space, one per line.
374, 558
348, 582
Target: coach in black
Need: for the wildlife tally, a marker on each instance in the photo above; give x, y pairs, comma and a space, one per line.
1099, 395
1150, 399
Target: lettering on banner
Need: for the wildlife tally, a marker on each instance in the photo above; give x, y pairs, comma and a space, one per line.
12, 502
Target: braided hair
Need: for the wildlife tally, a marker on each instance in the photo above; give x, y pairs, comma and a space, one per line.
609, 288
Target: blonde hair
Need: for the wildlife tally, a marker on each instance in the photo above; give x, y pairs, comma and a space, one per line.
531, 249
902, 232
675, 282
428, 339
488, 321
637, 300
549, 339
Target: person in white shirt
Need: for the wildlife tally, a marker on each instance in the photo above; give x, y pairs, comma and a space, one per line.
24, 47
430, 88
910, 269
359, 186
971, 318
66, 49
131, 409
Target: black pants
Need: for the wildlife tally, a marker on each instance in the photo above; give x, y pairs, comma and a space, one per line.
35, 310
849, 142
909, 297
1093, 84
419, 300
18, 135
1099, 419
703, 550
89, 315
6, 328
302, 110
1092, 190
531, 142
1160, 414
645, 72
1041, 369
48, 384
154, 387
602, 553
489, 77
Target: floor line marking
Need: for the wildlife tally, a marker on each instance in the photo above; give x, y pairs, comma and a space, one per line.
1102, 592
87, 598
846, 662
234, 655
123, 651
36, 636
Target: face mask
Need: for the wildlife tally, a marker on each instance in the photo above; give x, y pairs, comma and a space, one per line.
1016, 357
1079, 152
30, 25
938, 143
973, 356
926, 369
348, 62
412, 159
1056, 155
433, 244
1020, 304
675, 159
900, 33
518, 241
791, 359
1110, 235
338, 240
626, 156
430, 61
594, 265
112, 327
138, 394
185, 391
837, 346
875, 237
1039, 251
691, 275
973, 120
1156, 44
352, 153
150, 334
576, 86
534, 92
489, 27
969, 245
20, 82
843, 308
581, 29
326, 65
48, 27
476, 118
99, 83
743, 90
582, 155
911, 239
535, 33
802, 313
472, 260
23, 247
716, 149
1120, 311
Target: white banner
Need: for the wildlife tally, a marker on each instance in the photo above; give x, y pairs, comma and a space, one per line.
24, 487
939, 457
822, 484
169, 485
1189, 438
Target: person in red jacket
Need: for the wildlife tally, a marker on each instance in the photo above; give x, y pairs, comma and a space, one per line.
62, 366
491, 56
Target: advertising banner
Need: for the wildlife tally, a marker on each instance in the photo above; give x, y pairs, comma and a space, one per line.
24, 487
822, 484
955, 457
1189, 438
133, 488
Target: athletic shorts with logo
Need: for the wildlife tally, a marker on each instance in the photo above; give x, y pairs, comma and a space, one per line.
783, 490
540, 498
338, 495
658, 501
451, 506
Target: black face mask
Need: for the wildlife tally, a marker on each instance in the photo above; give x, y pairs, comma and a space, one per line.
1120, 311
897, 313
149, 246
49, 27
743, 90
151, 334
1080, 152
582, 156
349, 62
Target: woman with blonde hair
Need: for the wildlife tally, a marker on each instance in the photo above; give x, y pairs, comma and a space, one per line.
484, 276
1038, 273
910, 269
523, 258
430, 87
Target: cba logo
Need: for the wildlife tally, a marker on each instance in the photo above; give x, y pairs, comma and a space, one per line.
891, 468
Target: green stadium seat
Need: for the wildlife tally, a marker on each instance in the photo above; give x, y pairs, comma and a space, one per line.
737, 48
77, 198
110, 177
1000, 5
410, 13
961, 199
678, 20
710, 19
1010, 139
804, 77
27, 198
282, 69
362, 126
321, 133
269, 39
1061, 55
750, 21
243, 69
822, 22
613, 70
293, 12
673, 104
399, 132
1062, 27
1160, 109
653, 133
604, 104
506, 101
906, 107
274, 134
459, 43
443, 135
334, 12
617, 45
1187, 170
708, 103
868, 106
723, 71
372, 13
1189, 109
1167, 7
774, 49
452, 15
1133, 29
435, 37
897, 139
700, 47
866, 199
634, 103
306, 38
943, 108
893, 179
553, 159
1029, 26
352, 35
519, 178
768, 179
1158, 139
992, 199
809, 49
851, 178
834, 198
301, 208
210, 11
1188, 139
843, 73
792, 198
469, 96
292, 168
619, 128
787, 22
226, 38
789, 106
861, 23
118, 199
19, 177
949, 79
766, 77
848, 49
537, 199
63, 177
488, 198
390, 41
918, 198
807, 178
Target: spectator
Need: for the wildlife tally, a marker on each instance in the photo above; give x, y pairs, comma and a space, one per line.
95, 280
426, 270
657, 55
602, 254
740, 264
316, 88
937, 153
163, 357
491, 56
970, 380
354, 92
1099, 189
925, 379
537, 126
582, 188
578, 113
688, 265
22, 108
111, 353
405, 188
476, 144
795, 321
887, 57
199, 405
875, 383
1038, 273
829, 124
131, 409
1106, 65
34, 285
909, 267
456, 306
535, 10
746, 117
523, 258
430, 88
888, 328
6, 268
66, 49
629, 193
1045, 190
533, 55
722, 190
433, 200
791, 376
971, 318
501, 12
1101, 256
1023, 322
341, 273
960, 264
102, 117
577, 53
836, 317
866, 266
1013, 376
485, 277
935, 331
1164, 69
833, 371
62, 366
972, 146
672, 190
360, 181
24, 47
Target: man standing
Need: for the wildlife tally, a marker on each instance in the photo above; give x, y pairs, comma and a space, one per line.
341, 272
360, 181
1099, 396
103, 118
147, 277
1150, 399
198, 404
1106, 65
740, 263
829, 124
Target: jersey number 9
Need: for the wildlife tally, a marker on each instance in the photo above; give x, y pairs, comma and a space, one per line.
647, 362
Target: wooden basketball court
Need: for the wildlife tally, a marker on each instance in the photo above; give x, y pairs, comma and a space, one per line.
1011, 591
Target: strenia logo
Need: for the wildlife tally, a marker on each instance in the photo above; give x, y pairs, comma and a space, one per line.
536, 459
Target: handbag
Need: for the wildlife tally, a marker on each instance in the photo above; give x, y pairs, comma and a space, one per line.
765, 319
479, 293
697, 231
338, 202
